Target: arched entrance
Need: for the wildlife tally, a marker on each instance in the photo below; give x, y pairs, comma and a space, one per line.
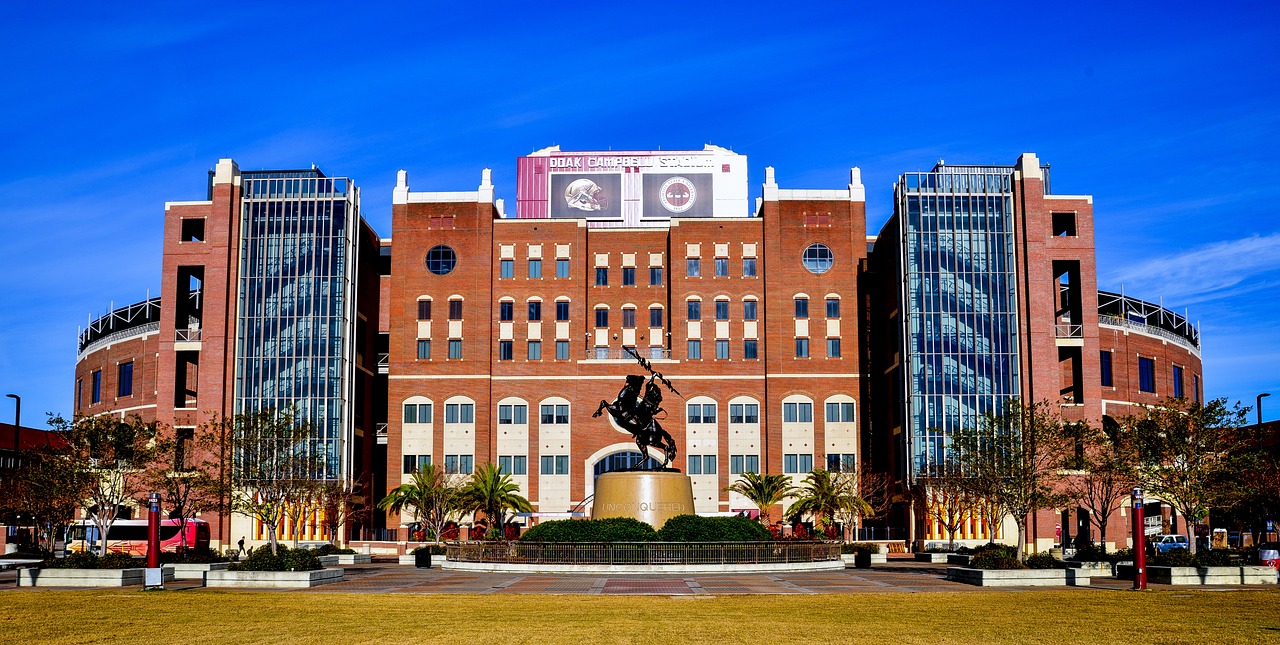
624, 460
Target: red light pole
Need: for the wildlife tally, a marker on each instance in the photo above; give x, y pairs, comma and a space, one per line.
154, 576
1139, 543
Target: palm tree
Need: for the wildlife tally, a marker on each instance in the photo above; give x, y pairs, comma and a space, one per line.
824, 496
764, 490
492, 491
432, 496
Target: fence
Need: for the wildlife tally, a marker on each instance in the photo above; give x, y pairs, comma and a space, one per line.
678, 553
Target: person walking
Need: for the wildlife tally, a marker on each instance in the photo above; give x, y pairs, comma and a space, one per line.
241, 543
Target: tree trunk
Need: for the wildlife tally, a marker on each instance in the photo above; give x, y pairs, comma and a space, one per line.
271, 535
1102, 533
1022, 536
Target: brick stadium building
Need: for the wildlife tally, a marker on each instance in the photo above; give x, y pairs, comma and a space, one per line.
479, 336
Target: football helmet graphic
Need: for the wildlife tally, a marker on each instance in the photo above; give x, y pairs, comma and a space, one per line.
585, 195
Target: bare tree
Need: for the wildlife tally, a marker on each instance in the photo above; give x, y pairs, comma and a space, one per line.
1187, 449
112, 454
185, 476
1012, 461
949, 502
342, 503
49, 487
1102, 472
273, 469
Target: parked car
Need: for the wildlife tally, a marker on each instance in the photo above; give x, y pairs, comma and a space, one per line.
1269, 554
1167, 543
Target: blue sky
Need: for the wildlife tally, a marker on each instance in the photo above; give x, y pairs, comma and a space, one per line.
1166, 113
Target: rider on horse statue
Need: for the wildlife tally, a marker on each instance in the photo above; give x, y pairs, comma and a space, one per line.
637, 414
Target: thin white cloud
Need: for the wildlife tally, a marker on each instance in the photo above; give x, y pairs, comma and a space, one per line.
1205, 273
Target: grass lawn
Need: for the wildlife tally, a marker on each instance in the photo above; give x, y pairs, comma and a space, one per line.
977, 617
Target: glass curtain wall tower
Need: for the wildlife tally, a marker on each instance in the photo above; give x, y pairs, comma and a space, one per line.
959, 303
297, 306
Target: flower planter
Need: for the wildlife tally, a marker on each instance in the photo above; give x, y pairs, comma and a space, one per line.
345, 558
1094, 568
936, 558
272, 579
1019, 577
191, 571
412, 560
31, 577
1211, 575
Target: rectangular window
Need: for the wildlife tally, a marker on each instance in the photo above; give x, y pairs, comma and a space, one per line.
749, 310
735, 464
562, 268
722, 267
535, 268
797, 412
695, 464
79, 393
833, 307
833, 348
417, 413
722, 349
1195, 386
535, 310
506, 311
507, 269
791, 464
1177, 382
455, 310
562, 311
655, 276
547, 465
562, 464
841, 463
806, 463
628, 276
504, 465
702, 413
520, 465
455, 348
693, 267
466, 464
602, 318
1104, 367
96, 391
751, 413
748, 267
459, 413
735, 413
655, 317
424, 349
840, 412
722, 310
505, 415
504, 350
555, 414
1146, 374
802, 348
535, 350
602, 276
749, 349
695, 309
708, 464
628, 318
520, 414
424, 310
752, 464
802, 307
424, 461
695, 349
124, 379
562, 350
410, 464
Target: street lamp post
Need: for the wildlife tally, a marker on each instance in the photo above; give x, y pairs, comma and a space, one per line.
1259, 405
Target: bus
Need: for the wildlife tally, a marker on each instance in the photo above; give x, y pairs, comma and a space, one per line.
130, 536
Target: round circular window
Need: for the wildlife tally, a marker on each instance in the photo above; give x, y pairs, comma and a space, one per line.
817, 258
441, 260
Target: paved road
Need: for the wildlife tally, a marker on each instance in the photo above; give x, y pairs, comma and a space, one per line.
895, 577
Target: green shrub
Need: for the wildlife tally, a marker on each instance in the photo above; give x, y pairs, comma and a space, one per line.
999, 550
612, 529
1091, 553
80, 560
261, 559
433, 549
1174, 558
695, 528
860, 547
1212, 558
1042, 561
193, 556
329, 549
119, 561
994, 559
1121, 555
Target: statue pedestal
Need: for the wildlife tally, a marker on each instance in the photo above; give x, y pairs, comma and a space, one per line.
649, 496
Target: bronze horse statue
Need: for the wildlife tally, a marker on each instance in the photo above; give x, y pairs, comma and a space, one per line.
636, 413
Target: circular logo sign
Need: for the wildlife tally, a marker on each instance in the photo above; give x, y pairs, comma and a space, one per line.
677, 194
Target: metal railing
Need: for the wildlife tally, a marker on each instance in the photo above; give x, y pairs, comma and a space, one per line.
103, 341
645, 553
1068, 331
620, 354
1152, 330
380, 429
191, 334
